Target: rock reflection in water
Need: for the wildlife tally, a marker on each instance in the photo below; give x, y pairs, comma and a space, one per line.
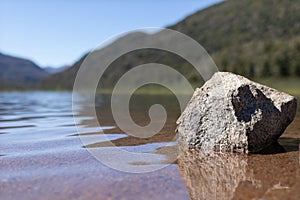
212, 176
238, 176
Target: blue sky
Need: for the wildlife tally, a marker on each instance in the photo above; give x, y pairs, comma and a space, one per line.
55, 33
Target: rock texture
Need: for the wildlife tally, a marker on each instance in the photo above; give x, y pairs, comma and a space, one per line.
231, 113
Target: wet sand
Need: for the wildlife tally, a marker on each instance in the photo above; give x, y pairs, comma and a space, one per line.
42, 162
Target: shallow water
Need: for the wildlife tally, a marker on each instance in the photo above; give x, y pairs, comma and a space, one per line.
42, 156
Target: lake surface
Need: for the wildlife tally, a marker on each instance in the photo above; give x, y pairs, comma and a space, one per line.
42, 156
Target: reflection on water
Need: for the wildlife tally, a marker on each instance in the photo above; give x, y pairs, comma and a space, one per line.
213, 176
236, 176
40, 148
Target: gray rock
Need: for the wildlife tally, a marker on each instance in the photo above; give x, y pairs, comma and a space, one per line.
231, 113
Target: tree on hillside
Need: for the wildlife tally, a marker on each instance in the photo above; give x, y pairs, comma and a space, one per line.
297, 45
283, 63
266, 70
297, 71
252, 69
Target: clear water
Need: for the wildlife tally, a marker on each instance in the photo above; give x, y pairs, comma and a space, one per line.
42, 157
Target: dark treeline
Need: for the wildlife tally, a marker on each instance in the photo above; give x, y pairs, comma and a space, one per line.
262, 59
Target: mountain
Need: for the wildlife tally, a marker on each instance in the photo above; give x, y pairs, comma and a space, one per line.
249, 37
62, 80
233, 23
254, 38
19, 73
53, 70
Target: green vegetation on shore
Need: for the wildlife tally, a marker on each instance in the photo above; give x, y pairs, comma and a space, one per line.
288, 85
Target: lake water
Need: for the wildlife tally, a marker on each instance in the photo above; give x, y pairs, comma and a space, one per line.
42, 156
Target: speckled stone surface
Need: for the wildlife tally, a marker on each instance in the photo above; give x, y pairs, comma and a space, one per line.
231, 113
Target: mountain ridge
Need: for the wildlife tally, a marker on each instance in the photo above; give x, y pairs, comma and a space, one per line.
19, 73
